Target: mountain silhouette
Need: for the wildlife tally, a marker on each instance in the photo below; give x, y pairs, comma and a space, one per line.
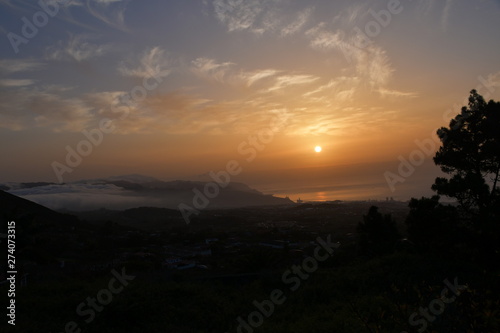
14, 208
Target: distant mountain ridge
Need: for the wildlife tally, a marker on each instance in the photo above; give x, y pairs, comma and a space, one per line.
132, 191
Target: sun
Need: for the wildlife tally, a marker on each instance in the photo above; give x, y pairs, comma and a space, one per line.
318, 149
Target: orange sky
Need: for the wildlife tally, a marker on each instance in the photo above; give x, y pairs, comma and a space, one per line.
363, 80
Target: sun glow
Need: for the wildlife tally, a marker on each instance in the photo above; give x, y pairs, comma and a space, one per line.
318, 149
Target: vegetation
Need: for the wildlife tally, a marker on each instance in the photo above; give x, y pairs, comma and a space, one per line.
470, 154
378, 233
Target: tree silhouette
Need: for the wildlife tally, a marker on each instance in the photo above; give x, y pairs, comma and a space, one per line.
378, 233
470, 153
432, 225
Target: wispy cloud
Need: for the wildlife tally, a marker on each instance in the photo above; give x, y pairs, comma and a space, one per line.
229, 73
322, 102
16, 82
270, 21
20, 65
254, 76
171, 112
388, 93
153, 61
337, 90
238, 14
107, 2
299, 23
353, 13
445, 17
211, 69
35, 107
323, 39
426, 8
111, 12
76, 49
283, 81
370, 62
373, 64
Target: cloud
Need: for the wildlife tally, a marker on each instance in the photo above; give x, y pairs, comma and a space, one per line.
66, 188
107, 103
284, 81
426, 8
373, 64
133, 118
319, 107
336, 92
238, 14
228, 72
210, 69
171, 112
299, 23
341, 118
255, 16
20, 65
31, 106
384, 93
36, 107
107, 2
111, 12
323, 39
16, 82
253, 76
369, 61
59, 113
76, 49
365, 58
269, 22
152, 62
84, 196
352, 13
446, 14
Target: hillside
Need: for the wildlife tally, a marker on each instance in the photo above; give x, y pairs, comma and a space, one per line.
16, 208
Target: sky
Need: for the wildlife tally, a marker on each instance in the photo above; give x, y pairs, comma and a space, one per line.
176, 89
